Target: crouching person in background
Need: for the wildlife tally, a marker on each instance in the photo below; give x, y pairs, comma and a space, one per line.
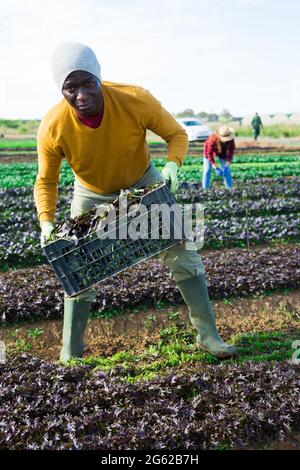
219, 144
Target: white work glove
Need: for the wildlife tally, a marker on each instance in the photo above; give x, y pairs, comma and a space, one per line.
169, 172
47, 228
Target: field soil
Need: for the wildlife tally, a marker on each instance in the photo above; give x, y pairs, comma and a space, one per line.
244, 145
136, 330
17, 157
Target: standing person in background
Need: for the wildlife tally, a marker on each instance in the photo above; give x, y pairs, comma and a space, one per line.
219, 144
256, 124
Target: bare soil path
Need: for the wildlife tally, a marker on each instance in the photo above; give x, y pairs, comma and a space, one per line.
138, 329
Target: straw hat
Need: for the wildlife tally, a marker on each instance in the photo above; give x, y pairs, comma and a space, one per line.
225, 133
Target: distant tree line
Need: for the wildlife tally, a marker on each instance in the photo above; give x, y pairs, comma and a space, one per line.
224, 116
22, 126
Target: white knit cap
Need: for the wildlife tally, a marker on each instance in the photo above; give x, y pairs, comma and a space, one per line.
71, 56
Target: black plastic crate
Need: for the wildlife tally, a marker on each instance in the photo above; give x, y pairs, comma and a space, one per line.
92, 259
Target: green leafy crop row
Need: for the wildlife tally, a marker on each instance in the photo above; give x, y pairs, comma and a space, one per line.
24, 174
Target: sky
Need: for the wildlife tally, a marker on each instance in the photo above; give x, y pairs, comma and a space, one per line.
207, 55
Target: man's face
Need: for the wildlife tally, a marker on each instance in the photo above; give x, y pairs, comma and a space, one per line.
82, 90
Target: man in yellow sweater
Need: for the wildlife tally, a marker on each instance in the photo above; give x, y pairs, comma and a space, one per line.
100, 128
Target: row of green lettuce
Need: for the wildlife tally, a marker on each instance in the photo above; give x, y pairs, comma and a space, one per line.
24, 174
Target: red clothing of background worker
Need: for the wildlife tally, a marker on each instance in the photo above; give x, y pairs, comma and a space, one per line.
213, 147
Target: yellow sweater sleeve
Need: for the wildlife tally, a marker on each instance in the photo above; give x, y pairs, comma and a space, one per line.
46, 186
155, 118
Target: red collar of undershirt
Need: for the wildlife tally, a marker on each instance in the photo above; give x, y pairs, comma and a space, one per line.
92, 121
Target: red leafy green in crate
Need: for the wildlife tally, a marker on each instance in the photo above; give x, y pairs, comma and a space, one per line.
92, 219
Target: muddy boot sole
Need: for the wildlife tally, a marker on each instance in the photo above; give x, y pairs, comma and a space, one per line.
220, 355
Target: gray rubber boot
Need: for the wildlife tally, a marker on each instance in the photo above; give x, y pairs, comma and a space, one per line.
76, 313
195, 294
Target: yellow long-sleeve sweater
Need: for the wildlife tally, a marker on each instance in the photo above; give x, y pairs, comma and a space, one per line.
114, 155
